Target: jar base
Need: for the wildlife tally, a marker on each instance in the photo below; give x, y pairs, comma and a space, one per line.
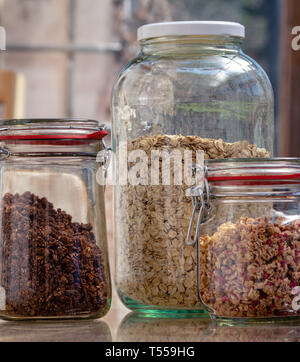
8, 316
12, 318
160, 312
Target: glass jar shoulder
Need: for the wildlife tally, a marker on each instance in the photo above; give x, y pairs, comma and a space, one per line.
226, 72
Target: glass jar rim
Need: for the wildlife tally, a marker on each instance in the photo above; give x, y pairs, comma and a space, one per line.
51, 128
253, 169
220, 41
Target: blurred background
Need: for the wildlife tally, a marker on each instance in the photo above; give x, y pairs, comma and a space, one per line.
71, 51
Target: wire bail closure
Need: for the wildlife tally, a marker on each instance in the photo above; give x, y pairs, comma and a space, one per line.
201, 203
200, 194
104, 158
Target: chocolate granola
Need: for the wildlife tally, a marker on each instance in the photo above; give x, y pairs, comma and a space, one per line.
49, 265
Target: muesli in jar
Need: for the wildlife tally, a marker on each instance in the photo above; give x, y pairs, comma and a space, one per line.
154, 265
249, 266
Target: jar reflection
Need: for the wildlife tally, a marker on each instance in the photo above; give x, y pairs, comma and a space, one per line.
264, 332
137, 328
46, 331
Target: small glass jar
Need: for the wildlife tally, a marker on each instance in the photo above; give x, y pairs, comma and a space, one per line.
53, 252
248, 239
190, 88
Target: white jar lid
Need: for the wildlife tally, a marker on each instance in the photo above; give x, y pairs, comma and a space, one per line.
2, 38
178, 28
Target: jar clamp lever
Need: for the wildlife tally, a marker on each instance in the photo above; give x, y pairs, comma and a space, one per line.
4, 153
201, 202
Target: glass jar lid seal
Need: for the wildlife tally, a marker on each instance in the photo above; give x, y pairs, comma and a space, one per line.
254, 170
51, 129
181, 28
91, 136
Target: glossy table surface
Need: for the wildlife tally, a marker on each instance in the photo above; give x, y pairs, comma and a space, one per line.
124, 326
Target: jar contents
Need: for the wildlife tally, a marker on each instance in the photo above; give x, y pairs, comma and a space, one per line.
251, 268
50, 266
155, 266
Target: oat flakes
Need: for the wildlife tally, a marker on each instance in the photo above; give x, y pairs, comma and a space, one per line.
154, 265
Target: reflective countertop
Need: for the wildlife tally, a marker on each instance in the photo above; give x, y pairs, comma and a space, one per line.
121, 325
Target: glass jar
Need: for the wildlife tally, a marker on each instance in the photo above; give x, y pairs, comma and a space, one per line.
248, 239
190, 88
53, 252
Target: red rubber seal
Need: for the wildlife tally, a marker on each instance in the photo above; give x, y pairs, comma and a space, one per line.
99, 135
254, 177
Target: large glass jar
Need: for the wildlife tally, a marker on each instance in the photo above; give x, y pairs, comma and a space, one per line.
53, 252
190, 88
248, 239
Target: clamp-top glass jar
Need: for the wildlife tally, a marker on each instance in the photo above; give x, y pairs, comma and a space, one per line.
53, 252
190, 88
248, 239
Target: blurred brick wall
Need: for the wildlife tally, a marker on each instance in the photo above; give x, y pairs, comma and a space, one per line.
45, 22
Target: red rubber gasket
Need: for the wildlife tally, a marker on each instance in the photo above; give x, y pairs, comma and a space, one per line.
254, 177
92, 136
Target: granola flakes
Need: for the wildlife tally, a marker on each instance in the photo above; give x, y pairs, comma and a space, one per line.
249, 268
154, 265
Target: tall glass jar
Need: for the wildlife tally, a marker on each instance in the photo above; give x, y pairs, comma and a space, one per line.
53, 252
191, 88
248, 238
